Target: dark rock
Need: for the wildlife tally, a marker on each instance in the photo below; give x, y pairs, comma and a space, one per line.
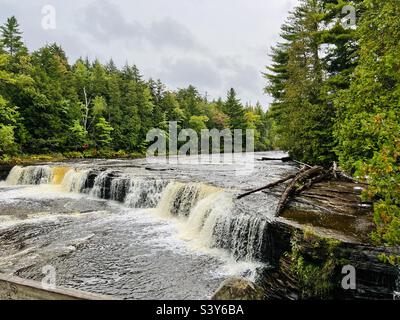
374, 279
89, 183
4, 171
238, 289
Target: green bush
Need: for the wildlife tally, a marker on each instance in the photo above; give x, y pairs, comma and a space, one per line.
73, 155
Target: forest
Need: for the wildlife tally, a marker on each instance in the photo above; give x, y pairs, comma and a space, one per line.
335, 89
90, 109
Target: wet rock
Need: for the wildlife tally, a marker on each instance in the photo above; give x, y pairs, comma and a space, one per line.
238, 289
89, 182
374, 279
4, 171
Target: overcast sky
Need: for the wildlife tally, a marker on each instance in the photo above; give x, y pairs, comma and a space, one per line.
212, 44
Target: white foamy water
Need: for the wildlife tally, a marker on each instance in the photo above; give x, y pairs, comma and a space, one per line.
113, 228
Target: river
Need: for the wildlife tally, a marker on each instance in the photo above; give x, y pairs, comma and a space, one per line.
136, 230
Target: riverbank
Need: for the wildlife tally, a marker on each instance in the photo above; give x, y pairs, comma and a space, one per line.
302, 253
29, 159
8, 162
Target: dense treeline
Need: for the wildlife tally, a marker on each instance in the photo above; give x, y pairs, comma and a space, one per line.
336, 92
48, 105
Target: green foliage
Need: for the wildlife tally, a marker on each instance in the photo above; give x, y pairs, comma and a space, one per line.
336, 96
310, 65
7, 140
313, 262
235, 111
103, 133
11, 38
57, 107
73, 155
77, 134
198, 123
368, 129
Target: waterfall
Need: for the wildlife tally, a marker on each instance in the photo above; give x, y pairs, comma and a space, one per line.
58, 174
14, 176
180, 198
119, 189
209, 217
76, 181
145, 193
32, 175
207, 214
133, 192
102, 185
242, 234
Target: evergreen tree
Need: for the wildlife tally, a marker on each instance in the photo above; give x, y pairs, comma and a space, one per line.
303, 109
11, 37
103, 134
77, 135
189, 101
235, 111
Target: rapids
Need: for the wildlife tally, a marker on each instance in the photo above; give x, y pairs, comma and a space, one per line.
124, 228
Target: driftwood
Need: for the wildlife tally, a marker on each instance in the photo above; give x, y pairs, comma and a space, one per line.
292, 187
284, 159
158, 169
268, 186
328, 190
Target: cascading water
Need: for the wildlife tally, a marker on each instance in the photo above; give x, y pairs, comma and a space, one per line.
132, 230
180, 198
144, 193
76, 181
207, 213
34, 175
243, 235
167, 232
14, 176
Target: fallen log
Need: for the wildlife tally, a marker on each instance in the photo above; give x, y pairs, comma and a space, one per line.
284, 159
337, 193
268, 186
311, 182
292, 187
158, 169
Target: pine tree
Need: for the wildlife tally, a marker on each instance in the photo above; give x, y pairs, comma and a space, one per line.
301, 109
11, 37
235, 111
103, 134
189, 101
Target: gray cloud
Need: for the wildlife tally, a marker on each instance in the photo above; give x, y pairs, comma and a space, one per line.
169, 32
105, 22
214, 45
183, 71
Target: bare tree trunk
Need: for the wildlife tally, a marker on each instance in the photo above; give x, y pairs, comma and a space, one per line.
292, 187
268, 186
